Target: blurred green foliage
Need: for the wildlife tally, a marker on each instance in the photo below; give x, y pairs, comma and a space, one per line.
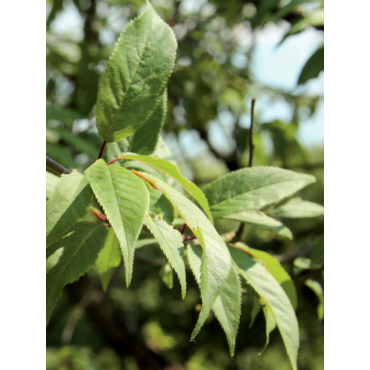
208, 84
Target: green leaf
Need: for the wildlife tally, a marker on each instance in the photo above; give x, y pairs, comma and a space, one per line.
317, 289
51, 183
227, 305
313, 66
256, 308
172, 171
70, 258
216, 261
67, 204
171, 243
109, 258
259, 218
125, 200
166, 274
135, 77
270, 324
145, 140
253, 189
274, 296
275, 269
298, 208
161, 206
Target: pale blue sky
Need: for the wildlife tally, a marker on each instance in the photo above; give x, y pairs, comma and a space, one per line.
272, 65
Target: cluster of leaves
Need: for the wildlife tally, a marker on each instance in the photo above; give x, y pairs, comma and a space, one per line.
206, 83
137, 189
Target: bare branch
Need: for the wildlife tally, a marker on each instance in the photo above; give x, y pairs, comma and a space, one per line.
56, 166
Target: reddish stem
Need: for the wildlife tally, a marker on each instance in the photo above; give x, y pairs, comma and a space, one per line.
102, 149
113, 160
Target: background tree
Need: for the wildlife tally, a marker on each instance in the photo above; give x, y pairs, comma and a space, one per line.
147, 326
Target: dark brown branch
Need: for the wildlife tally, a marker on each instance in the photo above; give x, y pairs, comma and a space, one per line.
56, 166
251, 143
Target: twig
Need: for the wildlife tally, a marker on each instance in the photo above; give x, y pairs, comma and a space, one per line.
251, 143
56, 166
113, 160
102, 149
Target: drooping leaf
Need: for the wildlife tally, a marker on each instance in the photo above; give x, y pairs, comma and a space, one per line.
227, 305
259, 218
145, 139
67, 204
166, 274
317, 289
109, 258
216, 261
125, 200
51, 183
313, 66
253, 189
161, 206
135, 77
270, 324
275, 298
70, 258
171, 243
256, 308
276, 270
298, 208
172, 171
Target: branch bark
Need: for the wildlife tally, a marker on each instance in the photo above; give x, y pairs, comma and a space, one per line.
56, 166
